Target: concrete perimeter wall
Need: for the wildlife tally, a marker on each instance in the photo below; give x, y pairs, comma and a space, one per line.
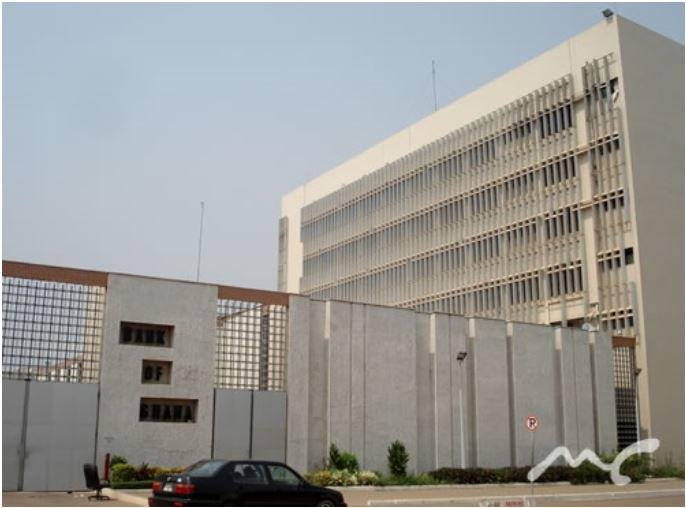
362, 376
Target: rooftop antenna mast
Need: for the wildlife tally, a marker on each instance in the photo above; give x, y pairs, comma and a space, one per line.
433, 78
202, 214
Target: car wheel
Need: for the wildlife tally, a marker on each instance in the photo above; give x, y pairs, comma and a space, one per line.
325, 502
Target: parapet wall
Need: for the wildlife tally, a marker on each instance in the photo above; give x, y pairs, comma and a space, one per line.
362, 376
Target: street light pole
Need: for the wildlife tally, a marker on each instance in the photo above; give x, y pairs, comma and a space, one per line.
460, 361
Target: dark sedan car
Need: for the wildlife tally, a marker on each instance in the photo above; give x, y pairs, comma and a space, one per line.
240, 483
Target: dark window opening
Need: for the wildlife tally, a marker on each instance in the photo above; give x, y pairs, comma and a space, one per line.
146, 334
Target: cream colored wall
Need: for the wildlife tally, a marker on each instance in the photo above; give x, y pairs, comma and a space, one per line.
566, 58
655, 164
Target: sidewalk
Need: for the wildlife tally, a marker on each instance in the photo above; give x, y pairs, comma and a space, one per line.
651, 493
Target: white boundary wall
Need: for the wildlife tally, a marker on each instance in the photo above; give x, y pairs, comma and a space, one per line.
361, 376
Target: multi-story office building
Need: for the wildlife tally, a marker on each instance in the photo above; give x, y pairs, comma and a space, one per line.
553, 194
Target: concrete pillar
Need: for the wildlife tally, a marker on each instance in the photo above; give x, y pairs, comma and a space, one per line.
425, 402
318, 388
340, 375
575, 389
491, 414
391, 384
462, 433
298, 383
533, 391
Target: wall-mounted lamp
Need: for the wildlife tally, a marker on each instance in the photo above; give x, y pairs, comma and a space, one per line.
461, 356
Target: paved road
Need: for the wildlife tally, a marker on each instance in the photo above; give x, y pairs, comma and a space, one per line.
55, 499
651, 493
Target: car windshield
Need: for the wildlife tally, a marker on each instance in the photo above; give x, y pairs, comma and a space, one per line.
204, 468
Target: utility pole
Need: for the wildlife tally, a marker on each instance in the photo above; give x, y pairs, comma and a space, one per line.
202, 214
433, 78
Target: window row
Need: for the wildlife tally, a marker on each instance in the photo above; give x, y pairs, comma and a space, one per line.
548, 123
617, 321
456, 210
560, 280
612, 203
555, 121
615, 260
564, 222
526, 289
565, 281
346, 257
559, 171
603, 90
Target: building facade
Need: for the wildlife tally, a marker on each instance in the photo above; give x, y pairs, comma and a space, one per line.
552, 195
167, 372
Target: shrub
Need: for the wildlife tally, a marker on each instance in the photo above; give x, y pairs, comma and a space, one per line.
499, 475
367, 478
321, 478
588, 473
117, 459
334, 457
554, 474
348, 462
143, 473
341, 478
397, 459
124, 473
161, 473
339, 461
667, 471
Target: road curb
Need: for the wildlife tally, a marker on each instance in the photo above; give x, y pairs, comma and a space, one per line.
358, 488
125, 497
379, 488
526, 499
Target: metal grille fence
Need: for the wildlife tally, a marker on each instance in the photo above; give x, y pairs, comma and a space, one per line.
625, 396
52, 331
251, 345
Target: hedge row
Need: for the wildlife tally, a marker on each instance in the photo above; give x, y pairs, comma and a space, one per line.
637, 470
126, 473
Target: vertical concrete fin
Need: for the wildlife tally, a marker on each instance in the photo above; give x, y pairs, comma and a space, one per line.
471, 391
329, 400
594, 390
511, 394
559, 406
434, 387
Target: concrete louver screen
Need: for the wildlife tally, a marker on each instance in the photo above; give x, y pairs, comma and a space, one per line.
362, 376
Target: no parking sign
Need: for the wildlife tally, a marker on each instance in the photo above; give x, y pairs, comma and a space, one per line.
532, 422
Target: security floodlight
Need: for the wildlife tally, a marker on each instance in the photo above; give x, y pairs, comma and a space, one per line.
608, 13
461, 356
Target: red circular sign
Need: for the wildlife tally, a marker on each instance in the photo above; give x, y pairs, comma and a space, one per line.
532, 422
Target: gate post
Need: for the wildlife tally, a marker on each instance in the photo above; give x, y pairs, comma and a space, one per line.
22, 441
